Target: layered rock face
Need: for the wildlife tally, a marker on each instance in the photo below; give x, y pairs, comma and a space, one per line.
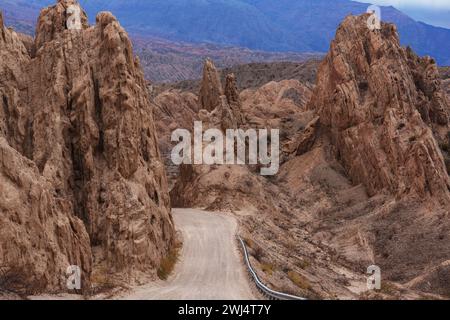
40, 237
78, 109
239, 187
380, 103
384, 111
363, 178
173, 110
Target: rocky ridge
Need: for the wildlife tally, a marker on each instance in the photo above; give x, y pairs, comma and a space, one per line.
81, 167
363, 178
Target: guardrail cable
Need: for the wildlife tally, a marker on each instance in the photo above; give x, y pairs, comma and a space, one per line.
261, 286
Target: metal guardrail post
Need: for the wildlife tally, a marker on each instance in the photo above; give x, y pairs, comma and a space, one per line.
271, 294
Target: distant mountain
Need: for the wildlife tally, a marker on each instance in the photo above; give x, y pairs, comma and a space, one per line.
22, 14
281, 25
269, 25
172, 61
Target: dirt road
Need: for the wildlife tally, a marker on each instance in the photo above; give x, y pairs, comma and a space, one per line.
210, 266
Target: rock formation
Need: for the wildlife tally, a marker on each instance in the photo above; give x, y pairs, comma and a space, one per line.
173, 110
78, 109
384, 112
211, 88
238, 187
233, 99
224, 105
363, 179
379, 101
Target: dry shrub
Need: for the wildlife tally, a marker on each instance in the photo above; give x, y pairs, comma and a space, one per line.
249, 243
445, 147
258, 253
388, 288
168, 263
101, 281
268, 268
299, 280
254, 249
303, 264
13, 280
290, 244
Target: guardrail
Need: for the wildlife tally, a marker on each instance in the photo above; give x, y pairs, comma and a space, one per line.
271, 294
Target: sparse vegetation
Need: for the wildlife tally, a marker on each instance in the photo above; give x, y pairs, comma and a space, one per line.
299, 280
12, 280
254, 249
101, 281
268, 268
303, 264
249, 243
168, 263
388, 288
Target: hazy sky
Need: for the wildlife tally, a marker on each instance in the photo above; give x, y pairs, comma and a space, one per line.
434, 12
427, 4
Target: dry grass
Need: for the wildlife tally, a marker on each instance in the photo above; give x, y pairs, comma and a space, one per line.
168, 263
249, 243
388, 288
13, 280
101, 281
303, 264
268, 268
254, 249
299, 280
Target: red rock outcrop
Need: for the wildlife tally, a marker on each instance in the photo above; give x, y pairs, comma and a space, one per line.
39, 236
173, 110
239, 187
384, 112
80, 111
363, 179
211, 88
378, 99
233, 99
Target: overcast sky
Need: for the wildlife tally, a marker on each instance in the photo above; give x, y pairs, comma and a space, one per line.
431, 4
434, 12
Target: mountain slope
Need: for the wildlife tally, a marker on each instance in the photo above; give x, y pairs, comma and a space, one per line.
81, 178
314, 23
283, 25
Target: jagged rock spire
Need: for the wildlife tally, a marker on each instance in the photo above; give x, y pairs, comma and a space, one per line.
233, 99
52, 22
376, 98
211, 88
79, 154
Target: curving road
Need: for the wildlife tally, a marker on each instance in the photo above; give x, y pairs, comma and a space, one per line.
210, 266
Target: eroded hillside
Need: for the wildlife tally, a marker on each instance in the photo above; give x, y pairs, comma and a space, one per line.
82, 181
363, 178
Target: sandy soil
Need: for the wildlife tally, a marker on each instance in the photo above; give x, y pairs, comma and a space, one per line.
210, 266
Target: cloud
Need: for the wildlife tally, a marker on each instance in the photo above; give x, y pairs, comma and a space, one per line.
426, 4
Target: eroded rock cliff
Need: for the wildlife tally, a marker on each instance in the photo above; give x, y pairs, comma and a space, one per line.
77, 108
381, 103
362, 179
